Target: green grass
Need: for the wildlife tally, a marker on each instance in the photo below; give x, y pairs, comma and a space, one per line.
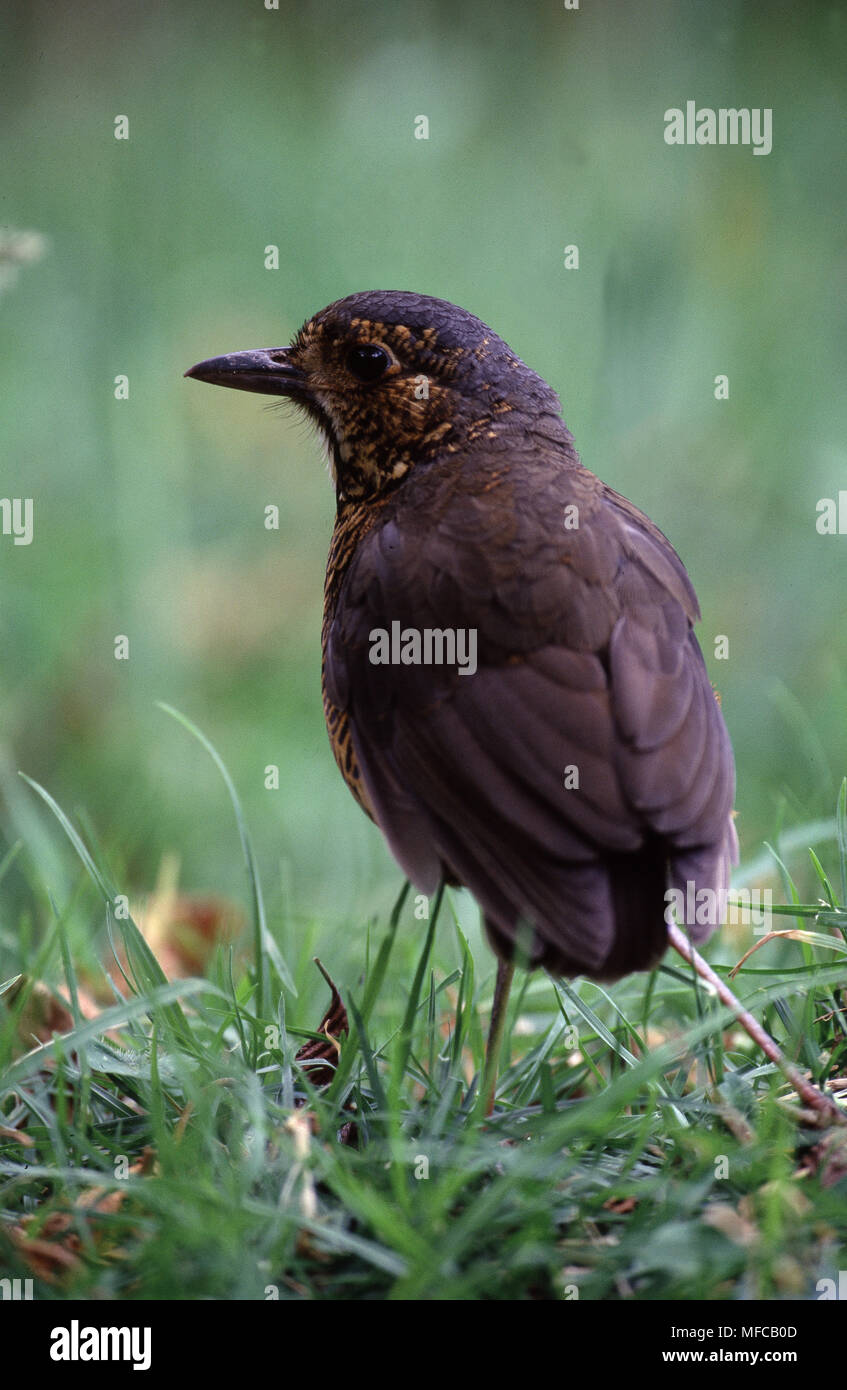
547, 129
639, 1147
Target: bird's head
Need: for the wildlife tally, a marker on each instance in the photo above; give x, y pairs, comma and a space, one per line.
393, 380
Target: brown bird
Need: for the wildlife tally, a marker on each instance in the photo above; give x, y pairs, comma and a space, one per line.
511, 681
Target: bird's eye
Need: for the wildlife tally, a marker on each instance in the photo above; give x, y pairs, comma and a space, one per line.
367, 361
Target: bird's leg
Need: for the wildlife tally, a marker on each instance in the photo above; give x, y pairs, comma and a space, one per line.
505, 972
822, 1105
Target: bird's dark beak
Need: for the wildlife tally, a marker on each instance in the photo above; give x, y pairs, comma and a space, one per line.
267, 370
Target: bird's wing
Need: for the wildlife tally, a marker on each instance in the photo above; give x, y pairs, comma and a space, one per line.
589, 729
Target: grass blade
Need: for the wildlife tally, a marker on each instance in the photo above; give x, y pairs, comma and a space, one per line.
264, 946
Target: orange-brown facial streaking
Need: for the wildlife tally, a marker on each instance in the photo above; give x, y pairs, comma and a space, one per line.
386, 395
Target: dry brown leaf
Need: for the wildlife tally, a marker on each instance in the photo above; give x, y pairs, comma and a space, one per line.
43, 1015
791, 933
621, 1206
57, 1249
828, 1159
333, 1026
16, 1136
731, 1223
49, 1260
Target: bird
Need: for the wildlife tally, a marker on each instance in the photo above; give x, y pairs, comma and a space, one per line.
512, 684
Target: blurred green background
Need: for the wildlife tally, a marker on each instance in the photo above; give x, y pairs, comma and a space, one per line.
295, 127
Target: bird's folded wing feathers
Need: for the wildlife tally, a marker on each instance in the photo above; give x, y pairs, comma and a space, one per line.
586, 661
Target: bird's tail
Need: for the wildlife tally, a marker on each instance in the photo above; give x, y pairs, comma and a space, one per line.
699, 879
644, 892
